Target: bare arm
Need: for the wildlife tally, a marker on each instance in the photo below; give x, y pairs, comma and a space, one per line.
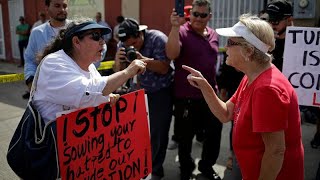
154, 65
273, 156
223, 111
173, 46
160, 67
117, 79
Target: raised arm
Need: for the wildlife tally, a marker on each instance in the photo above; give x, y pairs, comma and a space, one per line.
223, 111
116, 79
173, 44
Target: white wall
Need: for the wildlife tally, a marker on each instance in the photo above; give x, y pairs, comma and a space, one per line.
131, 8
85, 9
226, 13
15, 11
2, 47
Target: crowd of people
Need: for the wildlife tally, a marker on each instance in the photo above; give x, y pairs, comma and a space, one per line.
178, 74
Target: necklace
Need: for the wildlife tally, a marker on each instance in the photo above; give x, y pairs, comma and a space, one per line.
55, 30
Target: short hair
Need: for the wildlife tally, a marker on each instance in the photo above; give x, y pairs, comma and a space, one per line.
130, 28
263, 31
47, 2
202, 3
99, 14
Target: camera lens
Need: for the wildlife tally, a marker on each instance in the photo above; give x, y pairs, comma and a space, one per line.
131, 53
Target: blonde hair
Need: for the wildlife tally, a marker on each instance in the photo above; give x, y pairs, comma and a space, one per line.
263, 31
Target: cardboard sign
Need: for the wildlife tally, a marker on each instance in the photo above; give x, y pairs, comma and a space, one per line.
107, 143
301, 63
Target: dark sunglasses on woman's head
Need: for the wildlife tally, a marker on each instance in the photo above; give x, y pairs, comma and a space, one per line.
232, 43
202, 15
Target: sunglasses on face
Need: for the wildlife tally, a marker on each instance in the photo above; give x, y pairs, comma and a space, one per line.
277, 22
96, 36
232, 43
202, 15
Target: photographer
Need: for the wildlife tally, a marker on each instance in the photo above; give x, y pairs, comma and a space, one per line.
149, 46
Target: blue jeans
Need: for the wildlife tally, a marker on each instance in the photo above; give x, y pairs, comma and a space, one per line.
22, 45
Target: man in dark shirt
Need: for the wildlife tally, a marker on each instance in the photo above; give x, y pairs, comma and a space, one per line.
149, 46
280, 17
194, 44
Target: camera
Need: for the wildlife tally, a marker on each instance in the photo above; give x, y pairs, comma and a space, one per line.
131, 53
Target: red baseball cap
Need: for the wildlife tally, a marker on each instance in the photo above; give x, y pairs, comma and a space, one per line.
187, 11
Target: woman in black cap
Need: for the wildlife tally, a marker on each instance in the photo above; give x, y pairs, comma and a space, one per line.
68, 79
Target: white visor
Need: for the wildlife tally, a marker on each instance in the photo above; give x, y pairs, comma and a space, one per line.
240, 30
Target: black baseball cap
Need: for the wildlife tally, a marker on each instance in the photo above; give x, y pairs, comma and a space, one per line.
278, 9
129, 27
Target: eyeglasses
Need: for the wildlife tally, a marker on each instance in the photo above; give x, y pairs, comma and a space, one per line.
96, 36
202, 15
232, 43
277, 22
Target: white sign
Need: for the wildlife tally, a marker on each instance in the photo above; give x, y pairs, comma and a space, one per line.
301, 63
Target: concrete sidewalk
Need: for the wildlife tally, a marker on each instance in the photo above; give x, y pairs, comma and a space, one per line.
10, 67
12, 107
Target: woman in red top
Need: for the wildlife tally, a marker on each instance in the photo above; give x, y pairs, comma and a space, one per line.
267, 131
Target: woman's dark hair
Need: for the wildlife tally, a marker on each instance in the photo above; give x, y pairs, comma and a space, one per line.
63, 42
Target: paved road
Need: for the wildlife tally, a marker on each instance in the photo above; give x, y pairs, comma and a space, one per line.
12, 107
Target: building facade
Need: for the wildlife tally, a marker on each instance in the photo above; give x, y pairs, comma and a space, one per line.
153, 13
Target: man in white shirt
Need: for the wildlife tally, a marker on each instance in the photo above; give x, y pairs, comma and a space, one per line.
40, 36
106, 37
42, 19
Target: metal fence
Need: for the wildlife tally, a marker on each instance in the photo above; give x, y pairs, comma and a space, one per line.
226, 13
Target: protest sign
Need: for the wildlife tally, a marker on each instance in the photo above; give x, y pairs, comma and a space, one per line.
301, 63
104, 142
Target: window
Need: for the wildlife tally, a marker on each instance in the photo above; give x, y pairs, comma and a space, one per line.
226, 13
